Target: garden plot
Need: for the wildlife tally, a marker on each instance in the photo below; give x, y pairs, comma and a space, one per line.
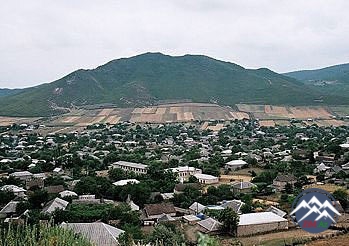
267, 123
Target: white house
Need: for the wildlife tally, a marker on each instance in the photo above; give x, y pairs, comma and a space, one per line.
185, 172
24, 175
234, 164
125, 182
206, 178
137, 168
17, 191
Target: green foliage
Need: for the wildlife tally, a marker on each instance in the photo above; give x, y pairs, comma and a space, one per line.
166, 235
339, 74
206, 240
5, 197
40, 235
230, 220
38, 198
342, 196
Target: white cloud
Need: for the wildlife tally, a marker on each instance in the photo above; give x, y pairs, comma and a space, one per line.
42, 40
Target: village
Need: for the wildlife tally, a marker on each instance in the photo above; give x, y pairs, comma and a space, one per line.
132, 183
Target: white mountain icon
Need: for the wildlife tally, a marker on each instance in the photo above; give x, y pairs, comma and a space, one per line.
314, 209
303, 204
315, 206
326, 204
326, 215
314, 200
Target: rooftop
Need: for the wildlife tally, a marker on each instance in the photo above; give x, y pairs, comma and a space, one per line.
260, 218
130, 164
236, 163
204, 176
100, 234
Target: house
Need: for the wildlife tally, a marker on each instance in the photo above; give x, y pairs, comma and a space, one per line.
209, 226
276, 211
10, 208
321, 168
196, 208
155, 211
91, 199
34, 182
256, 223
58, 171
206, 178
166, 218
126, 182
55, 189
242, 187
235, 164
185, 172
67, 193
137, 168
17, 191
56, 203
134, 207
98, 233
345, 166
191, 219
280, 181
233, 204
23, 175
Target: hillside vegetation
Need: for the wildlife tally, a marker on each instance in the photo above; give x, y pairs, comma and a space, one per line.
332, 80
148, 78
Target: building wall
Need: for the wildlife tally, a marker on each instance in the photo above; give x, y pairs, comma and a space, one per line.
132, 169
246, 230
208, 181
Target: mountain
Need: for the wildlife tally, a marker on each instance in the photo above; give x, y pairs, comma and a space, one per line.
152, 77
326, 215
332, 80
314, 209
6, 92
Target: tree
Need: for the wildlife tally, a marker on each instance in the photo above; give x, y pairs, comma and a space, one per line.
206, 240
117, 174
342, 196
5, 197
288, 188
165, 235
38, 198
230, 220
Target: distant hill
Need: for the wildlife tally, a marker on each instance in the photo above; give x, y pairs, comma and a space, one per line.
6, 92
152, 77
332, 80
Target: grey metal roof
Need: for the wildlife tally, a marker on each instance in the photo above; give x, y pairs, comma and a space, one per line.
210, 224
130, 164
98, 233
56, 203
276, 211
9, 208
259, 218
197, 207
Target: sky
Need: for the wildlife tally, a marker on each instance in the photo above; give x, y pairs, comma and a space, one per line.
43, 40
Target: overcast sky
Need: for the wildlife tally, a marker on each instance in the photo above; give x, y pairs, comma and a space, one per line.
42, 40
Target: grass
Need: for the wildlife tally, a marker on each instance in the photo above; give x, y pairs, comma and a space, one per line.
44, 235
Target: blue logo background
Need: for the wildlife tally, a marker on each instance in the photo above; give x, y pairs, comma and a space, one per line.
314, 210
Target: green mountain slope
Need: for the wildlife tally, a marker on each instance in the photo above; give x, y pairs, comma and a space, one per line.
6, 92
145, 79
332, 80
